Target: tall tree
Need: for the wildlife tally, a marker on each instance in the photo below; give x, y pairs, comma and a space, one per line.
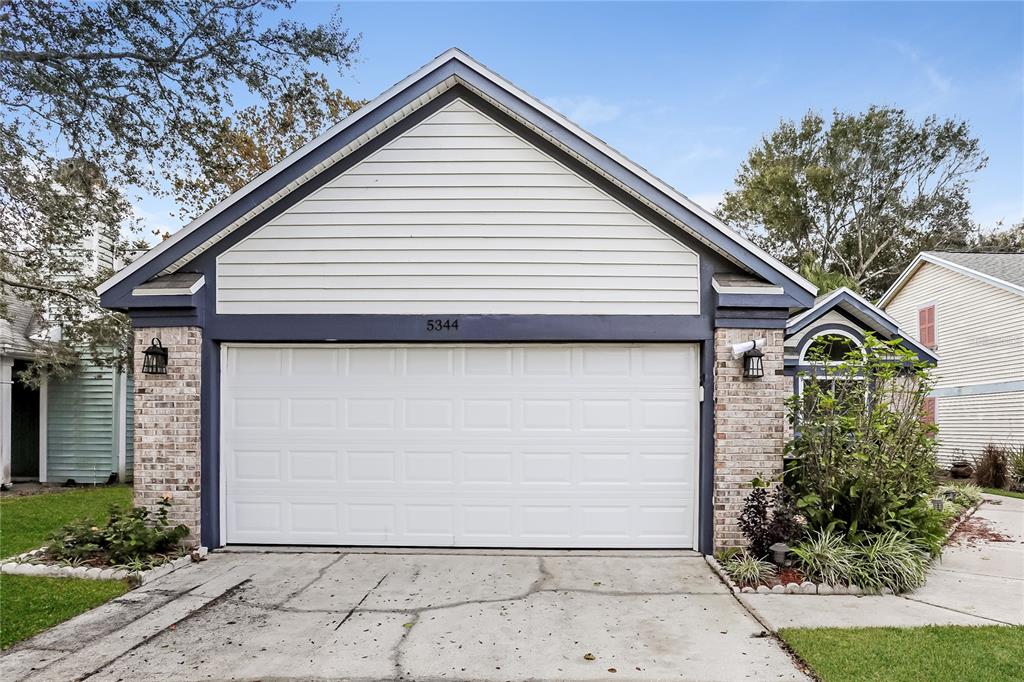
859, 195
250, 141
100, 97
1009, 240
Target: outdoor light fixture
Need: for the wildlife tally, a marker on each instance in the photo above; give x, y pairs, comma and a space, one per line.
779, 551
156, 359
753, 365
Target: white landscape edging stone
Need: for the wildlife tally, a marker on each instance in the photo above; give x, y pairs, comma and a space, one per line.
23, 564
823, 589
805, 587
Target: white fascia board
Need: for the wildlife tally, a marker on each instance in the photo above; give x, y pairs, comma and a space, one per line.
926, 257
747, 289
793, 321
176, 291
901, 280
466, 60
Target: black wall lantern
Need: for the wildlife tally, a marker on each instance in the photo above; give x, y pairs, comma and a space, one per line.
753, 364
156, 359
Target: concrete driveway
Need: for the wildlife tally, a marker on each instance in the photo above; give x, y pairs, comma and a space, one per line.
416, 615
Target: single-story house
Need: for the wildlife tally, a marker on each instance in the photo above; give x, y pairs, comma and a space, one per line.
78, 428
457, 319
969, 308
839, 322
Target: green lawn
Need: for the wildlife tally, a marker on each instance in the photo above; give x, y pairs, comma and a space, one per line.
25, 522
1004, 493
29, 604
929, 654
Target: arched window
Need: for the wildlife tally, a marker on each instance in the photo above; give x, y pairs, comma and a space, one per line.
831, 345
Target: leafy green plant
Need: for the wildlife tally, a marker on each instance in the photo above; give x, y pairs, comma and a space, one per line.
1015, 464
863, 458
963, 494
890, 560
826, 557
876, 561
991, 467
128, 535
768, 516
726, 554
747, 570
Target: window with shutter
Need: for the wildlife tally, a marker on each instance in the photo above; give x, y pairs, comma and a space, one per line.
926, 326
928, 411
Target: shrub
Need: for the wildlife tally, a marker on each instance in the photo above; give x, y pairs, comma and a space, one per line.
863, 456
130, 536
990, 468
963, 494
768, 516
889, 560
1015, 462
877, 561
748, 570
826, 557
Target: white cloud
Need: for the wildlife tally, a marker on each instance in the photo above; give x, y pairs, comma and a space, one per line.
939, 82
585, 109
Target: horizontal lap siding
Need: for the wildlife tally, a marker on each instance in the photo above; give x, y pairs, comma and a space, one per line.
979, 327
459, 215
968, 423
81, 438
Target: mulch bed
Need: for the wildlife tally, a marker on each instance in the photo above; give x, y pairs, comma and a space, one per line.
975, 531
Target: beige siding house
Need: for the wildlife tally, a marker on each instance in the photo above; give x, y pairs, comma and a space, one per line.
968, 307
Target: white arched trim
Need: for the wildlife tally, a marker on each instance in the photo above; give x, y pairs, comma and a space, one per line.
833, 331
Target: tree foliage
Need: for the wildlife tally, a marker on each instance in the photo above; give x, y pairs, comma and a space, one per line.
858, 195
244, 145
135, 94
863, 458
1009, 240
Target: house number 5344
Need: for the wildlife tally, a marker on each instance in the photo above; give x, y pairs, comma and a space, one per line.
442, 325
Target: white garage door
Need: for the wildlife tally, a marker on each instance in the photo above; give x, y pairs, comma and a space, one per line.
471, 446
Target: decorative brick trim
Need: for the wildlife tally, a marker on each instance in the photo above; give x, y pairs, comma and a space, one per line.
167, 429
750, 425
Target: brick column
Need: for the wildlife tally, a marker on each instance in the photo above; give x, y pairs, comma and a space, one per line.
750, 425
167, 409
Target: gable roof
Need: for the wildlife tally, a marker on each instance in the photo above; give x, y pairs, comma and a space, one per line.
1003, 270
449, 69
858, 308
18, 327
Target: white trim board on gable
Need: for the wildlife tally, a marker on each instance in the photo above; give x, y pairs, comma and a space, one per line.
459, 215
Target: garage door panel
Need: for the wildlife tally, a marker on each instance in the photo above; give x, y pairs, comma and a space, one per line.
478, 522
548, 446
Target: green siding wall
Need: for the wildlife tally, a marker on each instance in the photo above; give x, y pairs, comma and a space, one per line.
83, 426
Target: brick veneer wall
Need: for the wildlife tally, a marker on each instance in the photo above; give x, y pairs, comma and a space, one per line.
750, 425
167, 413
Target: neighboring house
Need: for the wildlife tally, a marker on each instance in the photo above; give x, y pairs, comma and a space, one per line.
75, 429
849, 316
969, 308
457, 319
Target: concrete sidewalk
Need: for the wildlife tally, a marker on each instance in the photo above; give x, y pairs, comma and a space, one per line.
976, 582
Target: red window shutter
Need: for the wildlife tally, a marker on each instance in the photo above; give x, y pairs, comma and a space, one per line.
926, 326
928, 411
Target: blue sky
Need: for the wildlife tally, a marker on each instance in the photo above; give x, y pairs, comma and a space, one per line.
686, 89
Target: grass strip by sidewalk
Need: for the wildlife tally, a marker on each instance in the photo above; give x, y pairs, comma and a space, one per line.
30, 604
1004, 493
25, 522
927, 654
